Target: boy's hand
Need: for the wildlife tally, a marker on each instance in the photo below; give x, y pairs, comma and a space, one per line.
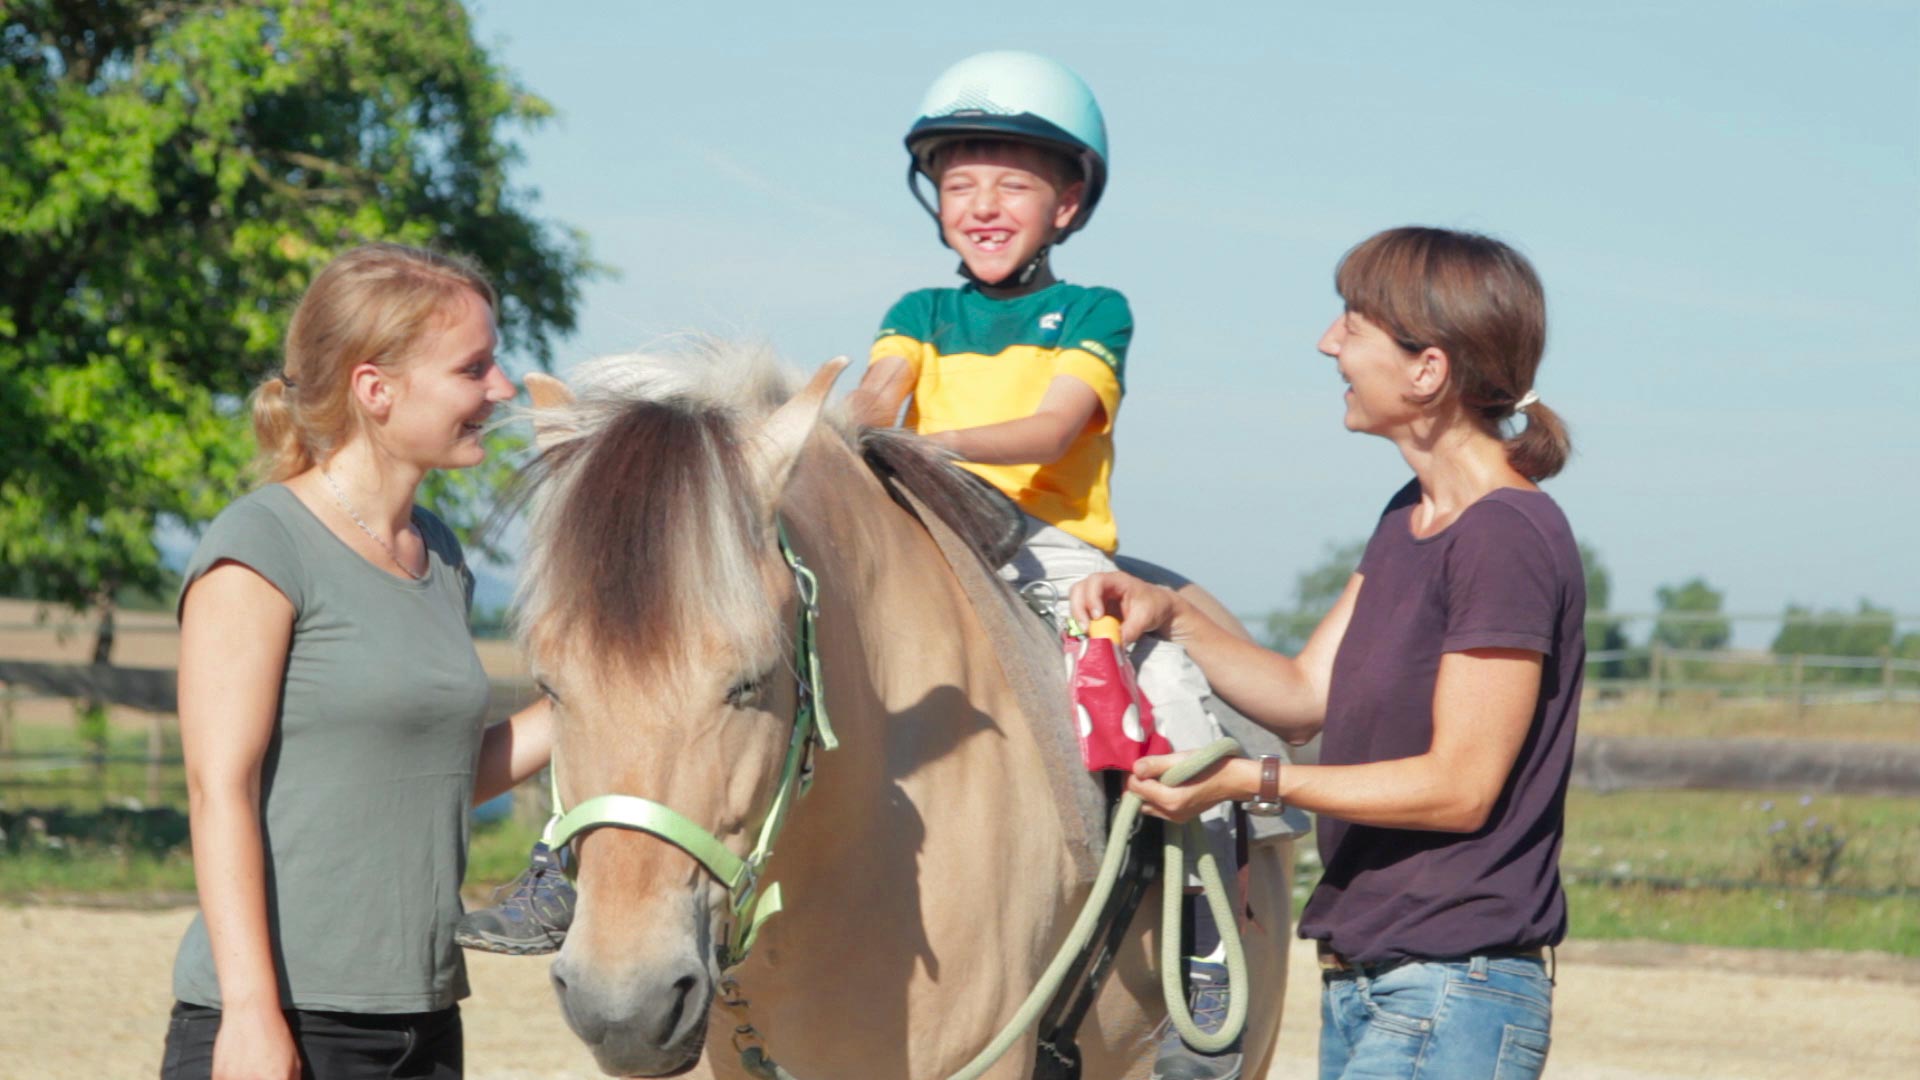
1140, 607
876, 401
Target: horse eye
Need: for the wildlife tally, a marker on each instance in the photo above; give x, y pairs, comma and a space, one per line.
541, 685
744, 692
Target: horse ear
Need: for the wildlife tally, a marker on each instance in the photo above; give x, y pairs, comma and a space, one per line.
777, 445
548, 394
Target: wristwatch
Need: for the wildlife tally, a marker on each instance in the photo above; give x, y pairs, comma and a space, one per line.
1268, 803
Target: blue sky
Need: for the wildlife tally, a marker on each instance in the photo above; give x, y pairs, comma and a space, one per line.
1722, 198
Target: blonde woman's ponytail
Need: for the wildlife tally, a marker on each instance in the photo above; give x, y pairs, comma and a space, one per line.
276, 430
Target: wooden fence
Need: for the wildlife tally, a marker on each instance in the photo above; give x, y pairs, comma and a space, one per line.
1606, 763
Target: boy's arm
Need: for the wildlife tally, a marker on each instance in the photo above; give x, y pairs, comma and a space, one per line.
1040, 439
893, 361
1084, 390
883, 389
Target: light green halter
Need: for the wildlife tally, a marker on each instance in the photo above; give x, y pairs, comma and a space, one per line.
752, 906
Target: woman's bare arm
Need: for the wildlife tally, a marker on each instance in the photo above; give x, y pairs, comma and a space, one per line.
513, 750
1483, 705
235, 628
1287, 695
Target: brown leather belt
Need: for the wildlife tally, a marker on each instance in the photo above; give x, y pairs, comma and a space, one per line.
1333, 961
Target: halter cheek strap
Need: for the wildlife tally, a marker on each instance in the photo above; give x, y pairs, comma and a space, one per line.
750, 905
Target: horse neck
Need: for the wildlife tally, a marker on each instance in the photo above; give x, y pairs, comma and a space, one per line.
932, 757
894, 624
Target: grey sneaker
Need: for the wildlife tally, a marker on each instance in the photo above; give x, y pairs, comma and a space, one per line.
530, 914
1207, 983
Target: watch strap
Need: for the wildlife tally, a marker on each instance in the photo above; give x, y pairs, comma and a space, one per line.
1267, 802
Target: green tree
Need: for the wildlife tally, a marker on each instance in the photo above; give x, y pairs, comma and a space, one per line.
1697, 604
1604, 633
1866, 633
175, 172
1314, 591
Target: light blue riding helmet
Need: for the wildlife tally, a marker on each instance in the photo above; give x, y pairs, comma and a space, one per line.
1017, 96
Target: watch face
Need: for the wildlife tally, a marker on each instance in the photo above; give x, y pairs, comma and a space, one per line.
1263, 809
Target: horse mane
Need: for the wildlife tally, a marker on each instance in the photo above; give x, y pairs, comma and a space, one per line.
645, 522
987, 520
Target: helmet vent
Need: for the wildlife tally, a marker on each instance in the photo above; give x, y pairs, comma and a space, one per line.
973, 99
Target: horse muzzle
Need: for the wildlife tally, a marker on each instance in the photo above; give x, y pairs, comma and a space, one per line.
645, 1021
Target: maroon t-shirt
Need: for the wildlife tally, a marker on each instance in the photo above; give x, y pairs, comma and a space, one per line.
1505, 574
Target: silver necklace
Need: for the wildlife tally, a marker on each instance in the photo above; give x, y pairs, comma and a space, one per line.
341, 497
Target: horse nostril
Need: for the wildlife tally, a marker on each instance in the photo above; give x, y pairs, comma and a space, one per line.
683, 988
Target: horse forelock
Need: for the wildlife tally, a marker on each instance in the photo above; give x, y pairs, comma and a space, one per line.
647, 535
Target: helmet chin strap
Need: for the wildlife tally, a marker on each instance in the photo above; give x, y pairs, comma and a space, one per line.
1029, 278
1032, 277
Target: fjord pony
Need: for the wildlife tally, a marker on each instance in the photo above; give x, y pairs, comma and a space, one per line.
927, 875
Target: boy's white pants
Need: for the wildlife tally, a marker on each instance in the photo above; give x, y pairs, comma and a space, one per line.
1173, 683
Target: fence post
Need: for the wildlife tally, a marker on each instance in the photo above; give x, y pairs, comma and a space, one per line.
1886, 677
6, 723
156, 748
1799, 681
7, 694
1653, 671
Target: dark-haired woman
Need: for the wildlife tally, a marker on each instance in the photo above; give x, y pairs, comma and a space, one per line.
1445, 681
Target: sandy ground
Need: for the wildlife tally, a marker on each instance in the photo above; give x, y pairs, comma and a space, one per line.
84, 994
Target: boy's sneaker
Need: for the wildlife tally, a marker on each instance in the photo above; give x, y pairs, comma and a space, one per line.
530, 914
1207, 983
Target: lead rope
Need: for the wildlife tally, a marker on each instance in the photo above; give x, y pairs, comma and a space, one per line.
1180, 840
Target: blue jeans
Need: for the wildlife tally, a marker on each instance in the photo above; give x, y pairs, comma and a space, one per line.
1476, 1019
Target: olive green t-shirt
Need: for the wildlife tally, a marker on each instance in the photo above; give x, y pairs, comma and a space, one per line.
367, 782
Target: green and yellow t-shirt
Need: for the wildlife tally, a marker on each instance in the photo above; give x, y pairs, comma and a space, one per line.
977, 360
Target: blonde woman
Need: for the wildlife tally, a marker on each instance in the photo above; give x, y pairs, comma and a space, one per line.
331, 703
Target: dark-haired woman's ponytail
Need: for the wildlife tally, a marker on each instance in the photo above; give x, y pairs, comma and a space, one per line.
1542, 448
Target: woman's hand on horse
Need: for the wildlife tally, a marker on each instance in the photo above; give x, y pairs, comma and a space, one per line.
1140, 607
1183, 802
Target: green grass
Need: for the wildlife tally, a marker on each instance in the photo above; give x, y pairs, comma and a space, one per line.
85, 785
1648, 841
1745, 836
1737, 869
1698, 715
52, 875
1780, 838
498, 852
1746, 919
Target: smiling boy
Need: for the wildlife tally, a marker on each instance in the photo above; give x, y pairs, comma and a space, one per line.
1021, 375
1017, 372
